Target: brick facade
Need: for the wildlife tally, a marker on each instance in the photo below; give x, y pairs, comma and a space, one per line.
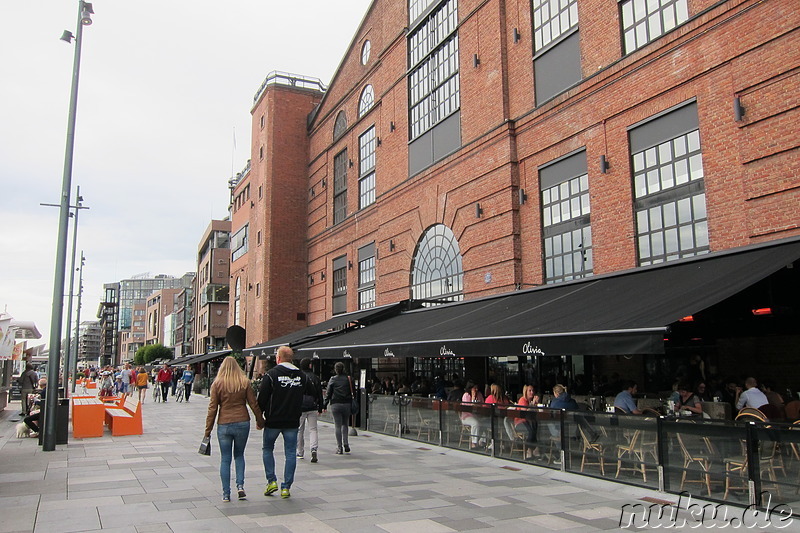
736, 48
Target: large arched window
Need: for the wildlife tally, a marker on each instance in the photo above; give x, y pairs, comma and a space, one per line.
436, 271
366, 100
340, 126
237, 310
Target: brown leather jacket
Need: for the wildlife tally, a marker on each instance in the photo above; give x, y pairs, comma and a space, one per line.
227, 407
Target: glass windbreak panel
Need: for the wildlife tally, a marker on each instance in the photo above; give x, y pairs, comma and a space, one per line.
706, 459
528, 434
384, 414
467, 426
779, 461
610, 445
420, 418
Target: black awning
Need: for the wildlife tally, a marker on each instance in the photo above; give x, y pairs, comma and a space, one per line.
620, 313
335, 325
199, 358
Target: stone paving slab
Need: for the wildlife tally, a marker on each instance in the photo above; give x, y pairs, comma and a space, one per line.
157, 483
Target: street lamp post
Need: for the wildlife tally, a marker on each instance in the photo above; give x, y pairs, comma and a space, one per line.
68, 356
77, 319
51, 401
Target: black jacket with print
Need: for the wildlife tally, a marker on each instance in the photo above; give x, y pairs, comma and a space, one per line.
281, 396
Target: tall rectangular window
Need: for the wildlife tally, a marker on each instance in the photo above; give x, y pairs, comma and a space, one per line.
646, 20
340, 163
557, 54
669, 187
239, 243
366, 168
566, 219
339, 303
434, 95
366, 276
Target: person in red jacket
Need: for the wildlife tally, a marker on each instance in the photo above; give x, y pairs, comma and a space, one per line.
164, 379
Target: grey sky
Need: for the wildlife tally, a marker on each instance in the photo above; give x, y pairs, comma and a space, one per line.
163, 86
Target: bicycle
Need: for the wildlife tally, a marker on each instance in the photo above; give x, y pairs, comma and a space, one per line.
157, 392
179, 393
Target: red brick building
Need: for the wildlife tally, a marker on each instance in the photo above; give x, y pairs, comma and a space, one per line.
471, 148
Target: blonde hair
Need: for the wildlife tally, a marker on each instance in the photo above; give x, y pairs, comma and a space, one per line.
525, 391
231, 377
497, 391
559, 389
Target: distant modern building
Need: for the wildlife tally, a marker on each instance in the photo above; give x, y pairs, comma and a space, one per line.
183, 322
211, 293
108, 316
116, 312
89, 343
134, 338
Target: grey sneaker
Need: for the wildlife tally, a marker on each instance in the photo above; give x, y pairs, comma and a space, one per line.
242, 495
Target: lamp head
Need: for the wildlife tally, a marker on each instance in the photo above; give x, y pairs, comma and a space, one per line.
86, 13
67, 36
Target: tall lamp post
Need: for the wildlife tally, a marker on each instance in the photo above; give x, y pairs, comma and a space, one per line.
51, 401
78, 318
70, 358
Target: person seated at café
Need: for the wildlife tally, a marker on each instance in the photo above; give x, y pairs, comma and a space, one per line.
497, 396
527, 424
473, 394
702, 392
751, 397
457, 392
624, 400
562, 399
688, 401
32, 420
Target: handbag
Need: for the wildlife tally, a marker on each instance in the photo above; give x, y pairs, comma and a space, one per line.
205, 446
354, 405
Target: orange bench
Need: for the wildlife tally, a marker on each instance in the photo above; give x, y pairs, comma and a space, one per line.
87, 417
126, 419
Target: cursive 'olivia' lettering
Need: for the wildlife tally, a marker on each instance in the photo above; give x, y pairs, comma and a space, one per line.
529, 348
445, 351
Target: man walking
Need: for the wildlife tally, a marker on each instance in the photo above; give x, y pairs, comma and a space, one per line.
281, 399
164, 380
310, 410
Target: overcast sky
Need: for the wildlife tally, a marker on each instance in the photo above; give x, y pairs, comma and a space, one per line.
163, 87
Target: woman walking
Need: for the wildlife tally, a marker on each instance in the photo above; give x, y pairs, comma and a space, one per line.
231, 393
339, 397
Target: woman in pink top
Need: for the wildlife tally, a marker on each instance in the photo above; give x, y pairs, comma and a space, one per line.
498, 397
528, 425
472, 394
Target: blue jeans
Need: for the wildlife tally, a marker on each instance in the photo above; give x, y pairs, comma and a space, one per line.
289, 451
232, 440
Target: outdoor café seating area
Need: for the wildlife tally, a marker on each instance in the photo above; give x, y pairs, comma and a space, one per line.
739, 461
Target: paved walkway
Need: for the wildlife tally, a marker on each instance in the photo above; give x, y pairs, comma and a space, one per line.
158, 483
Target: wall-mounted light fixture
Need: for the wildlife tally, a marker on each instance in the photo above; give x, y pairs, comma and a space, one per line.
249, 286
350, 162
391, 245
349, 265
311, 279
392, 127
517, 36
324, 183
312, 191
322, 276
738, 109
604, 166
476, 61
379, 141
522, 196
252, 203
478, 210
